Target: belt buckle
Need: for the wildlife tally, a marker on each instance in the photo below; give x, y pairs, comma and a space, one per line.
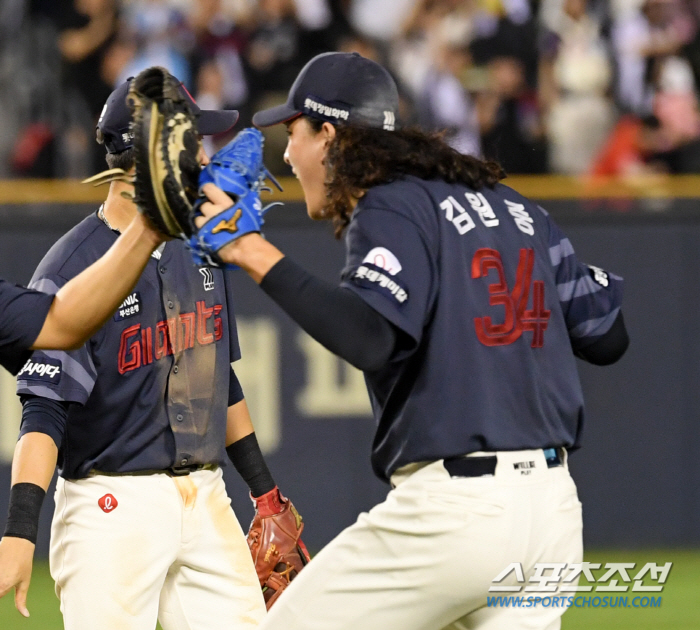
554, 457
180, 471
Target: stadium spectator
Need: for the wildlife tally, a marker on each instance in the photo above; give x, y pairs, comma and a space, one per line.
509, 119
575, 78
538, 85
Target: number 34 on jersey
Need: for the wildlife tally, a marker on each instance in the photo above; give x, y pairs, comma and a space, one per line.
517, 318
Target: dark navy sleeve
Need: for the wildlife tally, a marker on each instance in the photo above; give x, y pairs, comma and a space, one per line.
41, 415
390, 267
235, 391
590, 297
62, 376
234, 347
22, 315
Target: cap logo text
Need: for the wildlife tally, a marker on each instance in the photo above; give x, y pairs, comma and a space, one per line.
326, 110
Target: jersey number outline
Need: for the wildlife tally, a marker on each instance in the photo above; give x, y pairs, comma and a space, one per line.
517, 318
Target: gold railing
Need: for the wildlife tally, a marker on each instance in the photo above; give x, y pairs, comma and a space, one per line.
26, 191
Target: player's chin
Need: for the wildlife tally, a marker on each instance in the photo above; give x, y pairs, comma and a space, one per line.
316, 211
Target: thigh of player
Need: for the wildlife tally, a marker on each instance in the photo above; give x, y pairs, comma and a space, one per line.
419, 560
212, 585
113, 539
551, 513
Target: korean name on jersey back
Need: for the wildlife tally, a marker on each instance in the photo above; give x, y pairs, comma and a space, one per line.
44, 369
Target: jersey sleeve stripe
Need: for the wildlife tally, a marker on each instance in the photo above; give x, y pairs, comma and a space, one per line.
23, 387
46, 285
577, 288
595, 327
559, 251
75, 369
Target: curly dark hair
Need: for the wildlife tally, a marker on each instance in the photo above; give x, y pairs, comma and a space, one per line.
360, 158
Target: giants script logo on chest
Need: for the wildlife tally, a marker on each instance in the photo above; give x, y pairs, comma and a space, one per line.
141, 345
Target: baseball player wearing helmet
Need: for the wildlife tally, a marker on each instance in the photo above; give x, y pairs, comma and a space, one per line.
141, 420
465, 306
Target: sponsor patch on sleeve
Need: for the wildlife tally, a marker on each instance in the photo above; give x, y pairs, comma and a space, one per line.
129, 307
374, 277
42, 369
599, 276
381, 257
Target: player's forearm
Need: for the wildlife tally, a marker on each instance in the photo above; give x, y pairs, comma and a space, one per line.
253, 254
33, 465
85, 302
244, 451
336, 317
238, 422
34, 460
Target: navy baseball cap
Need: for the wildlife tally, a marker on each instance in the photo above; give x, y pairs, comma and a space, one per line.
341, 88
116, 117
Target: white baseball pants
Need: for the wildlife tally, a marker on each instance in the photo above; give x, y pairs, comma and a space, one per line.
425, 558
127, 550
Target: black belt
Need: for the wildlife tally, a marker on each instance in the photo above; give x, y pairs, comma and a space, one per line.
181, 471
173, 471
480, 466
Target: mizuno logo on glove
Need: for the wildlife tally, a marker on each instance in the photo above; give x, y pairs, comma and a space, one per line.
229, 226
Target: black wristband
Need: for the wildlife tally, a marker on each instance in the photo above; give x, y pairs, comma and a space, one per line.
246, 456
23, 512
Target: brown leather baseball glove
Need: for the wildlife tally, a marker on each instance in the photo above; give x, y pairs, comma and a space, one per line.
275, 543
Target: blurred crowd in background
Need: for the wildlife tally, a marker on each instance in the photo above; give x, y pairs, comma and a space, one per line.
606, 87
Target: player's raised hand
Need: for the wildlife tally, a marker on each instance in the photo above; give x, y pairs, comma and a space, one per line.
16, 555
218, 202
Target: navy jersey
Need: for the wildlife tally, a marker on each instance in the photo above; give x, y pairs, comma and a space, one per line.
150, 389
492, 298
22, 315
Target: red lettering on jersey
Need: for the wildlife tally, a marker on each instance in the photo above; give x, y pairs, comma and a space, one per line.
129, 351
186, 331
203, 314
147, 346
218, 325
162, 345
537, 318
516, 318
108, 503
138, 346
175, 339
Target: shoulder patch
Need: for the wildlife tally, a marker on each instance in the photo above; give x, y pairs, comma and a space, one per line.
599, 275
372, 277
43, 370
381, 257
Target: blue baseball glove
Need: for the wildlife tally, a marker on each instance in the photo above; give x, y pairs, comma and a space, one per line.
244, 217
238, 167
239, 171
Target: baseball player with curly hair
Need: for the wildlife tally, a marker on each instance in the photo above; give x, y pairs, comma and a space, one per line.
140, 421
466, 307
